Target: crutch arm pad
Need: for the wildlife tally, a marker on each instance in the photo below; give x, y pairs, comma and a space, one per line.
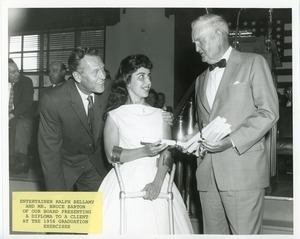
116, 154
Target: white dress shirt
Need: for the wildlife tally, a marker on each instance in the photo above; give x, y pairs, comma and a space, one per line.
214, 79
84, 99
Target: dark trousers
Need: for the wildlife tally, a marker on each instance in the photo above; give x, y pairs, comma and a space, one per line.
20, 133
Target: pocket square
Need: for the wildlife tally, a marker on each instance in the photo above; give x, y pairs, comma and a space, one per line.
237, 82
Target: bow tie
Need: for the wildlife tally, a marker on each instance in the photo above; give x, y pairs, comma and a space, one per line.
220, 64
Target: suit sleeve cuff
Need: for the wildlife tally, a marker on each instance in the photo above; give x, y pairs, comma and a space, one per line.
233, 146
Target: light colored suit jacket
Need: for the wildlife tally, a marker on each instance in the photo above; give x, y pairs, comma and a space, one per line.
247, 98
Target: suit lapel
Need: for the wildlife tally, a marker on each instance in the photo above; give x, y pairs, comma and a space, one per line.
77, 105
17, 86
203, 86
99, 108
227, 78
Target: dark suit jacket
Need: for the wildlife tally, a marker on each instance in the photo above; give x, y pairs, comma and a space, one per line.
23, 97
65, 141
247, 98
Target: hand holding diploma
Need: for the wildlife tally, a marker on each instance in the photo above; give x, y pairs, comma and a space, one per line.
210, 139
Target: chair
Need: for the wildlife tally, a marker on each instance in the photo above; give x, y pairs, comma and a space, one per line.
128, 195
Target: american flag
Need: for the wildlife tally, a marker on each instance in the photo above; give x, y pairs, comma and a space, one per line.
282, 35
284, 43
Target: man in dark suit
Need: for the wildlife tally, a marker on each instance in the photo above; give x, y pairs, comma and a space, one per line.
234, 172
70, 130
57, 73
20, 118
70, 151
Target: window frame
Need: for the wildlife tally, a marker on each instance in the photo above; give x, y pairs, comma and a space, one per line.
43, 52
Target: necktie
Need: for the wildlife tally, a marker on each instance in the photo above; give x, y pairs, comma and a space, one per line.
90, 112
220, 64
11, 98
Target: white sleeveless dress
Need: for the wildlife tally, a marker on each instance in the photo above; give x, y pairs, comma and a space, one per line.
137, 122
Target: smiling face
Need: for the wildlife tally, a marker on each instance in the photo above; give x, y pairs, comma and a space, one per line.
139, 85
90, 75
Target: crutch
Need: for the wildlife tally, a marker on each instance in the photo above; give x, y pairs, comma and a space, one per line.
123, 195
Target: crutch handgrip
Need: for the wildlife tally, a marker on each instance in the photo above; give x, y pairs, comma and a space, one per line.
124, 195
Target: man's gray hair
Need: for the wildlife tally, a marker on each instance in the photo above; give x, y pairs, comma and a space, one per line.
214, 21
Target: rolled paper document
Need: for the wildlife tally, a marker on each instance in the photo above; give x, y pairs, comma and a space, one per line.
191, 141
214, 132
163, 141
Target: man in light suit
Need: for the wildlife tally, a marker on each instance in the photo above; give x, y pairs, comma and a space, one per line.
70, 151
233, 174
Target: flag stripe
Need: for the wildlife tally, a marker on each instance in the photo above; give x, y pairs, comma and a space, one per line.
288, 26
287, 32
284, 78
284, 43
284, 71
287, 45
283, 84
287, 58
285, 65
288, 39
288, 52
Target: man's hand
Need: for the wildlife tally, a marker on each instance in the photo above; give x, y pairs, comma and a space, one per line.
167, 117
214, 147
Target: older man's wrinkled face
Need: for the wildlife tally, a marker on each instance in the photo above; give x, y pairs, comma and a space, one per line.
207, 43
13, 73
90, 75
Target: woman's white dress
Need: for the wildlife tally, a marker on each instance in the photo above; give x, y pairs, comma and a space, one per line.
137, 123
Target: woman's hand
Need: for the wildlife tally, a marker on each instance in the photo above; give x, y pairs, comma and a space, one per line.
152, 190
155, 148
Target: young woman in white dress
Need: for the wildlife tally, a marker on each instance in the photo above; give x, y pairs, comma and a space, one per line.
129, 121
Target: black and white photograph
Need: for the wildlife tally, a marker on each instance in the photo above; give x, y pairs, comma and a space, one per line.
175, 119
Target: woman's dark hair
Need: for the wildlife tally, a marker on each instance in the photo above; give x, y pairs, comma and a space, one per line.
119, 93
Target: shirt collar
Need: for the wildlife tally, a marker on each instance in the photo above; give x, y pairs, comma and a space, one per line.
84, 96
227, 54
